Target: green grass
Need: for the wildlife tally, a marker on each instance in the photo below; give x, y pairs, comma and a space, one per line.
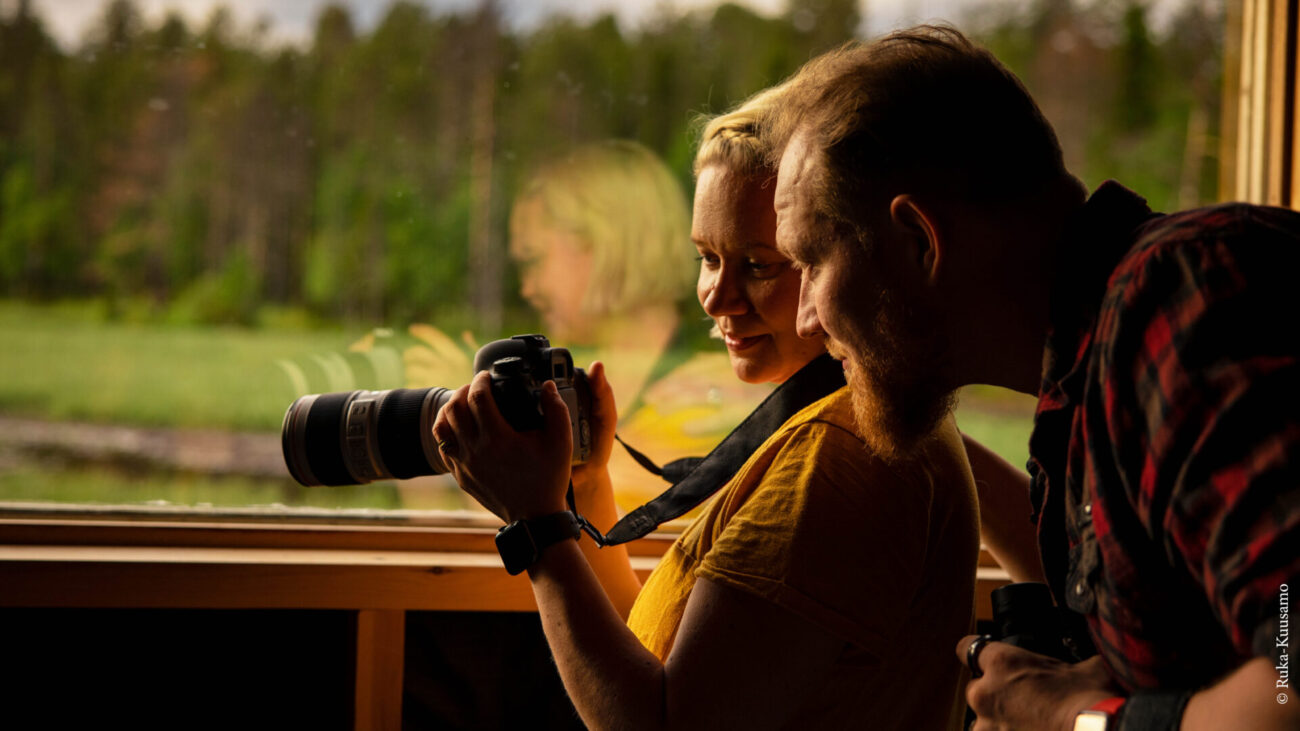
68, 362
100, 487
1005, 434
65, 364
999, 419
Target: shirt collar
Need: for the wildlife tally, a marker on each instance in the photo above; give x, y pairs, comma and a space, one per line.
1097, 237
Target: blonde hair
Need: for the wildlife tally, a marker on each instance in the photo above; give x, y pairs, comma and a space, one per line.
629, 213
736, 139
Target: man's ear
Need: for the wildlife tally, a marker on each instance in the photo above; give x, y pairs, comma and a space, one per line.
918, 224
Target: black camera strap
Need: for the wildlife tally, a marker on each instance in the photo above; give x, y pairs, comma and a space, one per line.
695, 479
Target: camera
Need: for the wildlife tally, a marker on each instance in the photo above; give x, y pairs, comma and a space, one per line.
355, 437
1024, 616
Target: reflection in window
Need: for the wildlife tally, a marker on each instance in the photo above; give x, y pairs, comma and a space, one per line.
200, 221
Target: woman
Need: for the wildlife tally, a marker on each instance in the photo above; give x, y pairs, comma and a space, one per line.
819, 589
597, 234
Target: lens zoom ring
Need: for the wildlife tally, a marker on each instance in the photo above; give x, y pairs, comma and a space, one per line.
399, 436
323, 439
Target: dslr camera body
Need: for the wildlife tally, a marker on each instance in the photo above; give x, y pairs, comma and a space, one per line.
355, 437
1025, 616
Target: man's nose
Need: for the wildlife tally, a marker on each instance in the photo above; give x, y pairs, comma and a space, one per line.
806, 323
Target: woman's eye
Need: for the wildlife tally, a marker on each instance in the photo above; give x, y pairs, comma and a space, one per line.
764, 270
708, 260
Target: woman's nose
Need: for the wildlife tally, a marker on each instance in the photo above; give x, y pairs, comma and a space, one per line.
723, 297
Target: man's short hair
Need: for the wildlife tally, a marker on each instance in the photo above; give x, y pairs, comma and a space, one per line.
922, 110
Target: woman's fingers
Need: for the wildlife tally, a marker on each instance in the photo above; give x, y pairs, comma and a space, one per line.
455, 427
555, 412
488, 420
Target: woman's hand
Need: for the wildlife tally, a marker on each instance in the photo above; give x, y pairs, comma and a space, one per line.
604, 422
516, 475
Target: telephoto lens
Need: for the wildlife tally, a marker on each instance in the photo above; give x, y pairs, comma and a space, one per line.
355, 437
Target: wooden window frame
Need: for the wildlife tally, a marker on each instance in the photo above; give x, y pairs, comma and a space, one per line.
1259, 160
378, 568
114, 559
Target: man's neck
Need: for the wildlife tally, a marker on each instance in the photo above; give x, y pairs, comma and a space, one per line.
1000, 337
1010, 354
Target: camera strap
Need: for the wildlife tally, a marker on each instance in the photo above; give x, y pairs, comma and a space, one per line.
695, 479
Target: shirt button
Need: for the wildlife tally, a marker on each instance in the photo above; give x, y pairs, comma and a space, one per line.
1087, 508
1078, 588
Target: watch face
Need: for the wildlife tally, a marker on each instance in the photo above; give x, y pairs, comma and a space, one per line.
1091, 721
516, 546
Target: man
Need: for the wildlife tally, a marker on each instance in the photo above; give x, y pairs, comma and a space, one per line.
942, 242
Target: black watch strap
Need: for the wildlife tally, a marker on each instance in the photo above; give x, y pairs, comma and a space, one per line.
1154, 710
521, 543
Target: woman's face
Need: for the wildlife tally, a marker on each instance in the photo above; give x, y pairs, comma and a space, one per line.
554, 271
745, 285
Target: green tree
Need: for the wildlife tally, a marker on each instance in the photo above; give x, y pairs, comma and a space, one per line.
1138, 71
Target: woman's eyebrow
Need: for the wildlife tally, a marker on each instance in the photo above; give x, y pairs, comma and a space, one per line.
743, 247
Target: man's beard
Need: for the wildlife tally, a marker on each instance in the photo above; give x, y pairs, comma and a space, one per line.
895, 379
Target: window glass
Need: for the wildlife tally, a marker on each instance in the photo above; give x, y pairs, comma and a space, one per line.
208, 211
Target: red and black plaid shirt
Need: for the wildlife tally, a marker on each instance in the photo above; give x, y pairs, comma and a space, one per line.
1166, 447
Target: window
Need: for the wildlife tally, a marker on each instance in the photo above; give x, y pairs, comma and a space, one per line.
207, 216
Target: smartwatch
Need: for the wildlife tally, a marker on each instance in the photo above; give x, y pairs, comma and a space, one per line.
1102, 716
521, 543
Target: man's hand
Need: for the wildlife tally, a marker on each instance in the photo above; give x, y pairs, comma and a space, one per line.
1024, 690
516, 475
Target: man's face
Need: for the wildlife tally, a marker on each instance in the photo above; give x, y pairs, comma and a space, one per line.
869, 300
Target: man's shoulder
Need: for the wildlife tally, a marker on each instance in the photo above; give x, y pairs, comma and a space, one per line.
1228, 226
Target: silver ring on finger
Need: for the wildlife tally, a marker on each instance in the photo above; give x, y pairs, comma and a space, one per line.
973, 654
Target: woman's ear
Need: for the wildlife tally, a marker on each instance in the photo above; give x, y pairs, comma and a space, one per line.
918, 224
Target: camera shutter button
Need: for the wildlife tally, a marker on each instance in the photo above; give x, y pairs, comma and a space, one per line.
509, 366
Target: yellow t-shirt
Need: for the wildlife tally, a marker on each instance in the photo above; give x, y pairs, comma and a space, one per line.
882, 557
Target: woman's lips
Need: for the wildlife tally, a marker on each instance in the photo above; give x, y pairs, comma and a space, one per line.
737, 344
